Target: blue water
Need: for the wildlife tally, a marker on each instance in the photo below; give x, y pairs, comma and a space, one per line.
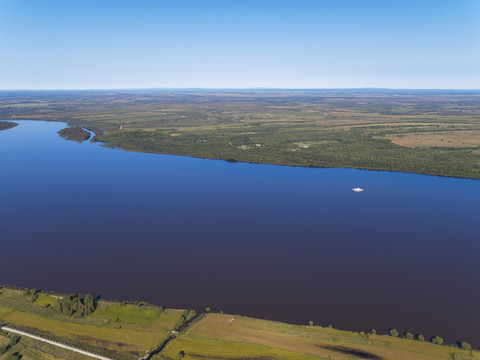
285, 243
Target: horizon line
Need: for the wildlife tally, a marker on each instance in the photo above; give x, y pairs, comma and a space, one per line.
236, 88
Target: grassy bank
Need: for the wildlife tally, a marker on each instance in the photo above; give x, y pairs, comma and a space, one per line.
427, 132
128, 331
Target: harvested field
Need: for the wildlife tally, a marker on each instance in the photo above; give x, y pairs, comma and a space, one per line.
313, 341
459, 138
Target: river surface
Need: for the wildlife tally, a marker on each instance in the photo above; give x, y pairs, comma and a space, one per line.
284, 243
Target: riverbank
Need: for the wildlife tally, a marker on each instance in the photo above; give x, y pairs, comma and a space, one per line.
4, 125
121, 330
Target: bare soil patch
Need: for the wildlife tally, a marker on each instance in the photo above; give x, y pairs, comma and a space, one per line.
460, 138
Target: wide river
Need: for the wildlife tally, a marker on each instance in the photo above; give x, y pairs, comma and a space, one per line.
284, 243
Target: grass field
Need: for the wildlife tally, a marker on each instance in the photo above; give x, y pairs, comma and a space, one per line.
4, 311
212, 349
46, 300
128, 314
118, 340
122, 331
30, 349
125, 331
372, 129
221, 336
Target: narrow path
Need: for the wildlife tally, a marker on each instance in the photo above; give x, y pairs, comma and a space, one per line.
200, 317
54, 343
173, 335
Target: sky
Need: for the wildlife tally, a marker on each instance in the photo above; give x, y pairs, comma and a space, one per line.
102, 44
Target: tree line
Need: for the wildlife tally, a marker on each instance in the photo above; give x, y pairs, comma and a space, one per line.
75, 305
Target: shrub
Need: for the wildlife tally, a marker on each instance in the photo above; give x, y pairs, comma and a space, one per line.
15, 356
465, 346
4, 349
436, 340
393, 332
31, 294
310, 323
408, 336
420, 337
373, 331
14, 340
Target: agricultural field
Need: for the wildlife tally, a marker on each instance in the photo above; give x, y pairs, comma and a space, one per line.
132, 331
116, 330
221, 336
458, 138
433, 132
30, 349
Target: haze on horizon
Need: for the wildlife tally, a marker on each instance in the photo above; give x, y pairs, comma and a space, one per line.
56, 44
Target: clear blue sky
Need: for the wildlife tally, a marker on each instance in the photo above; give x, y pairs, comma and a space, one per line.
84, 44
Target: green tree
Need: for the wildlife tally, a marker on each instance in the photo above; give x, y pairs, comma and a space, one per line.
207, 309
436, 340
32, 294
15, 356
310, 323
420, 337
393, 332
373, 331
14, 340
4, 349
408, 336
465, 346
76, 305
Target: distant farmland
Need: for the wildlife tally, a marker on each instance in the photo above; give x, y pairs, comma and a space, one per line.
427, 132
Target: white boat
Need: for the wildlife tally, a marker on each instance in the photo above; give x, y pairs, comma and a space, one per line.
357, 189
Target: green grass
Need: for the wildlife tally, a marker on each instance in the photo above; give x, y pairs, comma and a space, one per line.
118, 340
138, 330
46, 300
4, 311
128, 314
31, 349
223, 336
195, 348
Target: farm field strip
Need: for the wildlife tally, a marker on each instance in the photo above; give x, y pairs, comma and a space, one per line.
22, 333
